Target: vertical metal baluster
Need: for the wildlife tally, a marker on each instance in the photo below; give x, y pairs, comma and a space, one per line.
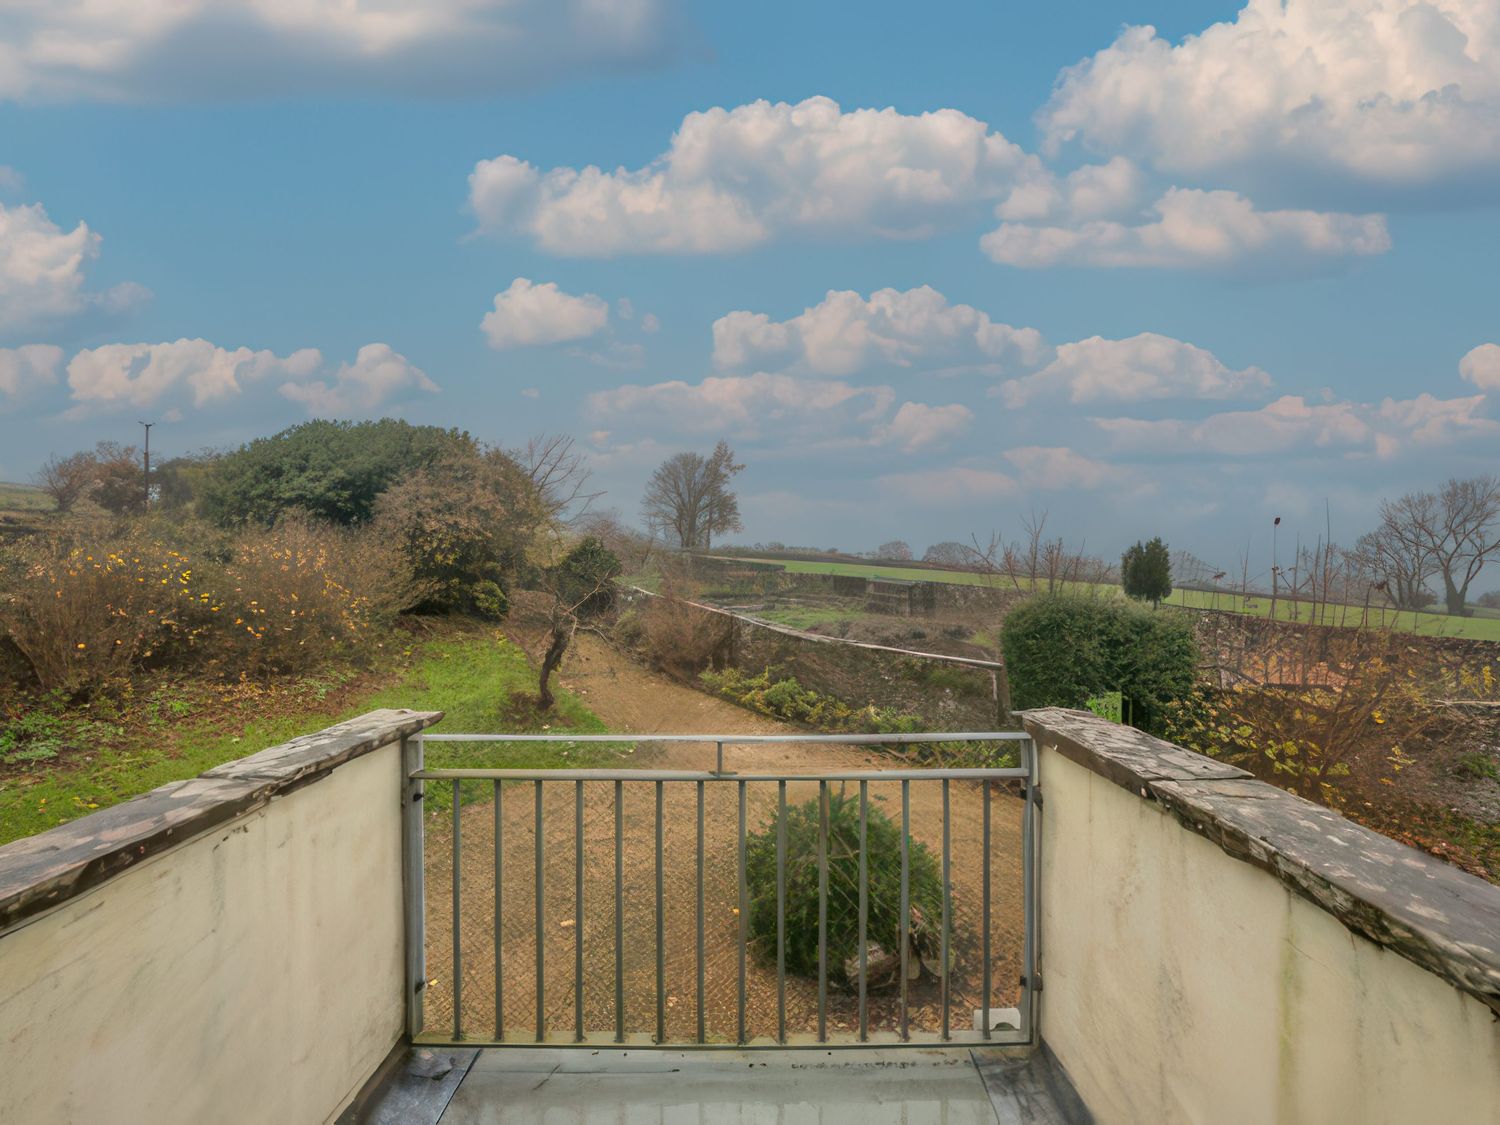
458, 961
578, 911
822, 912
947, 990
414, 887
744, 915
541, 959
719, 757
984, 914
701, 1022
500, 896
864, 911
619, 912
905, 900
781, 912
661, 926
1028, 976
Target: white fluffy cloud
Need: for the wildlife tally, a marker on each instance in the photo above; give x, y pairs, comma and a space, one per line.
1058, 467
116, 376
746, 405
24, 370
378, 375
1189, 229
42, 271
131, 50
1481, 366
738, 177
845, 333
782, 410
529, 314
1292, 424
1147, 366
1383, 93
916, 426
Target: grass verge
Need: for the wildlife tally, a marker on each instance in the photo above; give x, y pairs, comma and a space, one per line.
109, 753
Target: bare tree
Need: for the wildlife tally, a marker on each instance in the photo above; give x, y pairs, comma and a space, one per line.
66, 478
896, 550
688, 496
1396, 556
560, 474
950, 552
1457, 528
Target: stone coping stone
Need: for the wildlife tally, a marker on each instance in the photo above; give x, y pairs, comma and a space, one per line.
1443, 919
40, 872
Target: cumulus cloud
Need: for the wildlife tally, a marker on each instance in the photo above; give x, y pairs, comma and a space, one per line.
1389, 94
845, 333
379, 374
116, 376
1058, 467
1481, 366
746, 405
735, 178
183, 49
42, 271
1189, 229
529, 314
917, 426
24, 370
1291, 424
1147, 366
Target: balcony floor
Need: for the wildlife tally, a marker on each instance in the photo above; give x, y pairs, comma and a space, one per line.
522, 1086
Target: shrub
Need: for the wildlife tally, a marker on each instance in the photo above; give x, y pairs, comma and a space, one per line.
458, 524
883, 924
683, 639
782, 697
1063, 650
301, 594
94, 599
584, 579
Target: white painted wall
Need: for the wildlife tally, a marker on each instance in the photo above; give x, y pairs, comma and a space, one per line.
1183, 985
253, 974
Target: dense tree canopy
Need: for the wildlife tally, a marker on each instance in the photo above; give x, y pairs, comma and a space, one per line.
331, 470
1146, 571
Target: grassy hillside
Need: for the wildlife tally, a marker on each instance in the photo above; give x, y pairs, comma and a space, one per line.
1484, 628
23, 498
101, 755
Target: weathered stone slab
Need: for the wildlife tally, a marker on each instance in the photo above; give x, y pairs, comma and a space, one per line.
315, 754
41, 871
1429, 912
1126, 756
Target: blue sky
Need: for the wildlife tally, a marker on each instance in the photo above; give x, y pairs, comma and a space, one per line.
920, 273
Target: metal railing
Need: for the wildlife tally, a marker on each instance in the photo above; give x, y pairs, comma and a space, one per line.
602, 1016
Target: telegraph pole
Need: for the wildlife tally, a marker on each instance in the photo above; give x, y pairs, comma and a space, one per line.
146, 492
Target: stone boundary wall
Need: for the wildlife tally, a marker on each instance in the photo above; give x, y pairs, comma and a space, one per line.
948, 693
231, 947
1214, 949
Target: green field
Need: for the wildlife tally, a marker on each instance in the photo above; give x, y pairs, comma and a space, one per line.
1482, 628
479, 679
23, 498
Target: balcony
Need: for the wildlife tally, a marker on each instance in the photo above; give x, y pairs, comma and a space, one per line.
1122, 930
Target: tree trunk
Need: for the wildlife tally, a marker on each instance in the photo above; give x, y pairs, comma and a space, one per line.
1454, 597
562, 633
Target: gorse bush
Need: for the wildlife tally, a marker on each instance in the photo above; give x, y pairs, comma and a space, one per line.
99, 599
883, 849
1063, 650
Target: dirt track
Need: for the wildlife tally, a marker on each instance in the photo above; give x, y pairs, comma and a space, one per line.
633, 699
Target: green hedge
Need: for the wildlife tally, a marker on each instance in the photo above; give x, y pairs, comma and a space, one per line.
1064, 650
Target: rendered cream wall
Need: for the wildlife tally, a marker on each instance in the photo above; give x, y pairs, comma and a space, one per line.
254, 974
1183, 985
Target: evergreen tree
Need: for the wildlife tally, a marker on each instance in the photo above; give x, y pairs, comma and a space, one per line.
1146, 571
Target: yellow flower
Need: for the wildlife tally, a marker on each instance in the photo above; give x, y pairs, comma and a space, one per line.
82, 645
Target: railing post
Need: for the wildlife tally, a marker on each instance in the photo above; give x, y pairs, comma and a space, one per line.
412, 885
1031, 888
